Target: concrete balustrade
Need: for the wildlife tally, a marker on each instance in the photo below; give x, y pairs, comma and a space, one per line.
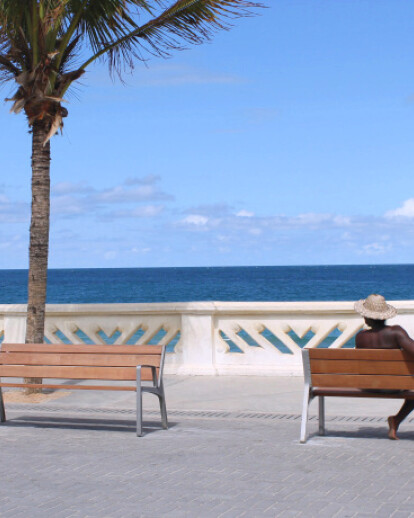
207, 338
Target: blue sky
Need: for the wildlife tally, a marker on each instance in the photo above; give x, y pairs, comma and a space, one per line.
287, 140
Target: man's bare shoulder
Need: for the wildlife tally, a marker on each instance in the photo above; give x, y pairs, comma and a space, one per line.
396, 330
363, 339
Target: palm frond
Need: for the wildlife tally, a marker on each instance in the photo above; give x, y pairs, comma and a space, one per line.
8, 66
186, 21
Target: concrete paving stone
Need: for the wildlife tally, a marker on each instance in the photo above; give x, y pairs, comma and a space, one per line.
331, 510
365, 504
387, 494
174, 513
182, 514
268, 513
232, 513
386, 510
22, 514
288, 513
258, 504
346, 514
405, 508
409, 500
348, 496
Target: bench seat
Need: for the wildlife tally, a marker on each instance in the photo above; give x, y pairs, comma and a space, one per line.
141, 366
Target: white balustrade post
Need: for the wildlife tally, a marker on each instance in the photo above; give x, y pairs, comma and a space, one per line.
15, 327
197, 344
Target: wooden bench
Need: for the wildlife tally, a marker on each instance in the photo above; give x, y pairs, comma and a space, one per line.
119, 363
354, 373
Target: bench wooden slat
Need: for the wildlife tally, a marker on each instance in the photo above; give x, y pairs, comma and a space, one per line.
349, 392
83, 348
112, 360
363, 381
360, 354
362, 367
65, 372
70, 387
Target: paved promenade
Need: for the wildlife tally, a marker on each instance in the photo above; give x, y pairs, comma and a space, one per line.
232, 450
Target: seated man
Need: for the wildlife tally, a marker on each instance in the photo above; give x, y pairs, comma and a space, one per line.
375, 311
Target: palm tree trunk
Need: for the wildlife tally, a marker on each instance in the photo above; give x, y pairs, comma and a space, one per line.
39, 239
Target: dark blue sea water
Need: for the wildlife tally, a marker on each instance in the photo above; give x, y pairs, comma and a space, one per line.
261, 283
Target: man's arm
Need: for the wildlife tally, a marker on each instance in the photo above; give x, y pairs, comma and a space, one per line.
403, 340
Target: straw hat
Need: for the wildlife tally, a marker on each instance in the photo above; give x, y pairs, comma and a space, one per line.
375, 307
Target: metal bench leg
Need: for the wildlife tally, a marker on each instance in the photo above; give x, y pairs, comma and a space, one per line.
2, 411
321, 415
139, 403
307, 395
305, 411
163, 407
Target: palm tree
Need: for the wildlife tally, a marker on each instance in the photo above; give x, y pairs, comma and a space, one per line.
40, 45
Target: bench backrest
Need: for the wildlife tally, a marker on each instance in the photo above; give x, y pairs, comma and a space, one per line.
99, 362
360, 368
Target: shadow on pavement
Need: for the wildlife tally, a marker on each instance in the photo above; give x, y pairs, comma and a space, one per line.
83, 424
364, 432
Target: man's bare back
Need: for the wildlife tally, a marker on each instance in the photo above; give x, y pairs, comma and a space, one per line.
381, 336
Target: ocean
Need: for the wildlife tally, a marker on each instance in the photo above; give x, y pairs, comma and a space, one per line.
244, 283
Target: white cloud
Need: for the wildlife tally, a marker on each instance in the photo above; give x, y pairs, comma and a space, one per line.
244, 214
150, 179
77, 199
62, 188
137, 250
311, 218
213, 210
133, 189
68, 205
122, 194
406, 211
13, 212
342, 221
222, 219
13, 242
315, 219
110, 255
195, 219
147, 211
375, 249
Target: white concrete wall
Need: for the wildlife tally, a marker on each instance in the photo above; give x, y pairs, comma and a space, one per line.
207, 329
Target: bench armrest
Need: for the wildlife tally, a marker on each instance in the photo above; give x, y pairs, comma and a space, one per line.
155, 379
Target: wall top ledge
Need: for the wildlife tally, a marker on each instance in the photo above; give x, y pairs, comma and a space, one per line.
206, 308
